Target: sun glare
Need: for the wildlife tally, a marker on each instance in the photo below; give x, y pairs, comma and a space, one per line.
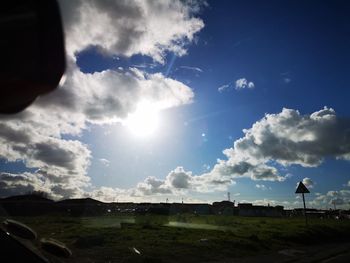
144, 121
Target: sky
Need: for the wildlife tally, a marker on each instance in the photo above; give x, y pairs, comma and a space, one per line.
189, 100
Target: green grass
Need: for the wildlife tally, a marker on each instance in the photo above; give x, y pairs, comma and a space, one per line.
199, 239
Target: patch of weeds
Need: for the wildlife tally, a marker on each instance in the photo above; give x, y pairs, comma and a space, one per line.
254, 238
90, 241
152, 260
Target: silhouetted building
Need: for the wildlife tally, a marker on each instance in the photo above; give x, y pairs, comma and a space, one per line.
225, 208
248, 209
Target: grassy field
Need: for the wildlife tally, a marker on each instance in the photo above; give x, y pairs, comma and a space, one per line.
182, 238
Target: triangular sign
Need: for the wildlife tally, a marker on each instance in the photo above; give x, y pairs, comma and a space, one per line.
301, 189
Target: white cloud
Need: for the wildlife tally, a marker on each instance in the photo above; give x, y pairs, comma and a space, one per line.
109, 96
291, 138
251, 85
11, 184
239, 84
109, 194
288, 175
130, 27
340, 198
225, 171
308, 182
151, 186
179, 178
223, 88
284, 138
286, 76
262, 187
104, 161
270, 202
243, 83
24, 183
176, 182
206, 167
59, 162
192, 68
287, 80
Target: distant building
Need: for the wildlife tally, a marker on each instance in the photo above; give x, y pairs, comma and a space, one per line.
199, 209
248, 209
224, 208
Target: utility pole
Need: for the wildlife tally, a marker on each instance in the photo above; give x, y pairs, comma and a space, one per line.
229, 196
304, 208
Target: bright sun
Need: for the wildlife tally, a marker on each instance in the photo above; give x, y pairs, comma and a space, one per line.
144, 121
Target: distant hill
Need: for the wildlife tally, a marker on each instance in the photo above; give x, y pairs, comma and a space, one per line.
80, 201
38, 198
26, 198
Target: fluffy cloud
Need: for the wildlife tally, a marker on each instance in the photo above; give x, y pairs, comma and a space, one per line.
24, 183
151, 186
225, 171
339, 198
60, 162
291, 138
11, 184
130, 27
109, 194
239, 84
285, 138
175, 182
38, 136
224, 87
243, 83
262, 187
308, 182
109, 96
179, 178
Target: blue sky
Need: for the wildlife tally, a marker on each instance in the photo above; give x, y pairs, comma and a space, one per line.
294, 55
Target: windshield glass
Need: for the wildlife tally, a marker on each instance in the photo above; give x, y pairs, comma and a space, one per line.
188, 131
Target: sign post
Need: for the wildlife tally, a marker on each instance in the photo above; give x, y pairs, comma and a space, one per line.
301, 189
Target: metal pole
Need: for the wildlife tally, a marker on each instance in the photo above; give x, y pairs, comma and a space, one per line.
304, 209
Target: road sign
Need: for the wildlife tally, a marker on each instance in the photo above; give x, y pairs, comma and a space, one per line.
301, 189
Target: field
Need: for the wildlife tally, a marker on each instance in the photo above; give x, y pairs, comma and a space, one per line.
182, 238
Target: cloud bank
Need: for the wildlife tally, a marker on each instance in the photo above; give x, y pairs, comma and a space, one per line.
126, 28
286, 138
